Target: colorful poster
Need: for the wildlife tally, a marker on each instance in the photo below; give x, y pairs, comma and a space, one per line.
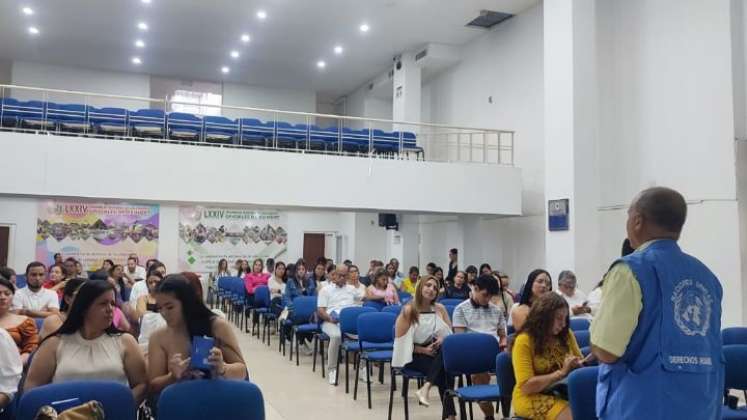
92, 232
207, 234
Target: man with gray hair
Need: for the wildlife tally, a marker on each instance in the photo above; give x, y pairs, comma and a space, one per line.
577, 301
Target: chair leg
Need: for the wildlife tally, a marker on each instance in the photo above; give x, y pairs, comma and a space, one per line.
368, 382
391, 394
405, 386
298, 344
347, 371
506, 406
355, 385
313, 360
324, 362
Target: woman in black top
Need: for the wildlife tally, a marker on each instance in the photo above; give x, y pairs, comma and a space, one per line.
460, 289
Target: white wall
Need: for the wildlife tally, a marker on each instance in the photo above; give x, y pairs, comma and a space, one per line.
507, 64
363, 103
71, 78
268, 98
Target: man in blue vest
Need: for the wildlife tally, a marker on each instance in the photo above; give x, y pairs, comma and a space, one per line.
657, 332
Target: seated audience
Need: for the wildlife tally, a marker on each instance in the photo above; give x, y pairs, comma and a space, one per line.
79, 272
222, 270
503, 299
276, 284
485, 269
471, 271
391, 272
419, 331
538, 283
33, 300
430, 268
293, 288
147, 303
398, 277
314, 283
382, 290
11, 368
53, 322
506, 284
187, 317
57, 258
354, 280
459, 289
106, 265
480, 315
70, 268
302, 275
410, 282
133, 272
544, 353
333, 298
148, 312
9, 274
21, 328
576, 299
120, 318
55, 280
439, 274
121, 283
254, 279
141, 288
88, 347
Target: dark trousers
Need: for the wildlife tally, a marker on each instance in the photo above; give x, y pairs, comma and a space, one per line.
433, 367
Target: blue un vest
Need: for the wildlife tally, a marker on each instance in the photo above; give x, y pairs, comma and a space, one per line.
672, 367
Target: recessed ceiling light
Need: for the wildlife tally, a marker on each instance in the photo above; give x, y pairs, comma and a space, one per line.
364, 27
33, 30
137, 60
225, 69
245, 38
261, 14
139, 43
146, 1
321, 64
338, 49
142, 26
234, 54
27, 11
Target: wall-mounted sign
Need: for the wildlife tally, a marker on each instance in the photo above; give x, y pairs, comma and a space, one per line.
557, 214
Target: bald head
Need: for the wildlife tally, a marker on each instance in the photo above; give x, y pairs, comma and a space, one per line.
657, 212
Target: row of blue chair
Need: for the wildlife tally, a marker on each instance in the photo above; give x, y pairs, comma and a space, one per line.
155, 123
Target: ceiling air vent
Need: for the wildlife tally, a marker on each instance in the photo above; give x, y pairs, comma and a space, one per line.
421, 54
488, 18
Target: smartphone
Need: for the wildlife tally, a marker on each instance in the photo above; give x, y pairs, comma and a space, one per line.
201, 347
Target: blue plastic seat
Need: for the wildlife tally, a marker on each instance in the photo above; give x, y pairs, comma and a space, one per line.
582, 392
290, 136
184, 126
108, 121
254, 132
30, 114
220, 130
116, 398
450, 301
8, 117
148, 123
348, 330
301, 322
583, 338
20, 280
504, 374
211, 399
734, 335
450, 310
68, 117
376, 328
355, 141
580, 324
409, 144
395, 309
385, 142
468, 354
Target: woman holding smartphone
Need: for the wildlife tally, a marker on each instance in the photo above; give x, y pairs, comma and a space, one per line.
188, 319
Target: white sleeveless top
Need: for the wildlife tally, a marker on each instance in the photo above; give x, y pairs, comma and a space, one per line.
99, 359
428, 327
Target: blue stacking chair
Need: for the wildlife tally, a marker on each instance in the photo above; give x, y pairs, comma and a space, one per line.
582, 393
30, 114
108, 121
355, 141
450, 301
734, 335
290, 136
469, 354
211, 399
148, 123
20, 280
407, 375
300, 322
583, 338
409, 144
261, 307
504, 375
394, 309
385, 142
404, 297
8, 117
580, 324
68, 117
375, 304
450, 310
220, 130
349, 344
735, 356
254, 132
116, 398
184, 126
375, 343
266, 314
323, 138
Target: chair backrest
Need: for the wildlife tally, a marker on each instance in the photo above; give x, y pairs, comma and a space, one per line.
582, 393
583, 338
504, 373
116, 398
450, 310
349, 318
394, 309
580, 324
303, 308
404, 297
262, 297
469, 353
374, 304
736, 366
450, 301
376, 327
20, 281
734, 335
211, 399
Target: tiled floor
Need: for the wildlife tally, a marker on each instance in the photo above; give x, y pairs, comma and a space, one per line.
295, 392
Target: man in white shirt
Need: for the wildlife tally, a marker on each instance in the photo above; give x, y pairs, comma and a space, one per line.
33, 300
133, 271
332, 299
577, 301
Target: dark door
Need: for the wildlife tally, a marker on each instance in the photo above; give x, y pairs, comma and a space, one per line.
313, 248
4, 239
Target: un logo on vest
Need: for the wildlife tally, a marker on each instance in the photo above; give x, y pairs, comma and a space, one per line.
692, 307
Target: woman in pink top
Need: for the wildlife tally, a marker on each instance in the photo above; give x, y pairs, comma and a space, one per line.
256, 277
382, 290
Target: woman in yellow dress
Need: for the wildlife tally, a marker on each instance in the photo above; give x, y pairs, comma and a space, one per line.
544, 352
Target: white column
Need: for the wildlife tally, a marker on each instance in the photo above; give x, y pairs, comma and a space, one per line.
570, 135
407, 86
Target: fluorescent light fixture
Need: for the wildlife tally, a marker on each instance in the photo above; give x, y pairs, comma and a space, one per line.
261, 15
338, 49
321, 64
137, 60
364, 27
245, 38
225, 70
140, 43
234, 54
33, 30
142, 26
27, 11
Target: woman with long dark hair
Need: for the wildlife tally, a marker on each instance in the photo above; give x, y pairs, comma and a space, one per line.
315, 281
53, 322
538, 283
503, 299
544, 352
88, 347
187, 317
222, 270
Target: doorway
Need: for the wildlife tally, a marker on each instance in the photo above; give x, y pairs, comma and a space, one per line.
313, 248
4, 245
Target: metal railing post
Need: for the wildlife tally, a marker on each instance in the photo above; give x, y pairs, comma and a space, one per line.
275, 130
308, 133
